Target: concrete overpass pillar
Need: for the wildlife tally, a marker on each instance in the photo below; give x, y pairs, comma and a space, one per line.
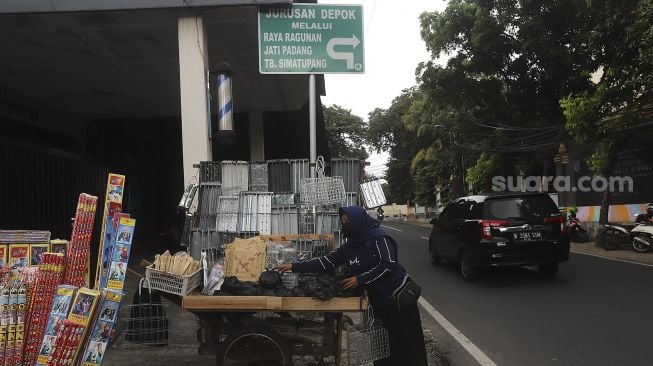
193, 63
256, 136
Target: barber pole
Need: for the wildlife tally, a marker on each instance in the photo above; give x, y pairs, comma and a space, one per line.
226, 132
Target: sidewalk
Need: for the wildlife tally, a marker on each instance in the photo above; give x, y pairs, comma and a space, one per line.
182, 350
626, 253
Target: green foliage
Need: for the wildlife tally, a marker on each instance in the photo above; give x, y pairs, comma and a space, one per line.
346, 133
480, 175
388, 133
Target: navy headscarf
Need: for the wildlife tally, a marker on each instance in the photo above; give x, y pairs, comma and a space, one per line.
363, 225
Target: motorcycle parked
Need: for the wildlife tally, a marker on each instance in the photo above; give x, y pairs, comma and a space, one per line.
576, 232
640, 235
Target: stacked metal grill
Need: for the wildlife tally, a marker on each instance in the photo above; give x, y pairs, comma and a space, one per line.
241, 199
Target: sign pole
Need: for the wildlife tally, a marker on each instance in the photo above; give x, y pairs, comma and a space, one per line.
312, 106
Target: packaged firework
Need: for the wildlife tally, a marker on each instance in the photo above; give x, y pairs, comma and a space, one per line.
119, 258
3, 255
109, 242
78, 252
11, 327
59, 246
101, 331
61, 305
36, 252
112, 205
18, 259
65, 346
20, 324
83, 311
40, 302
4, 321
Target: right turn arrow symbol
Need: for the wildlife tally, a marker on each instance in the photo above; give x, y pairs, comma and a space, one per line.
348, 56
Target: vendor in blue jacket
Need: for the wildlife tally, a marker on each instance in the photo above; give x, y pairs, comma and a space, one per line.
372, 255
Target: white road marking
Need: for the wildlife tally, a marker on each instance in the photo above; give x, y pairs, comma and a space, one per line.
474, 351
612, 259
424, 237
391, 228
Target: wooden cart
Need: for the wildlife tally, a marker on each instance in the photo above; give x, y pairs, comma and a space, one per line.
260, 330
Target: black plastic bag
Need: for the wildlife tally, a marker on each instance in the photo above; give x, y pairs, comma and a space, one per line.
270, 279
230, 284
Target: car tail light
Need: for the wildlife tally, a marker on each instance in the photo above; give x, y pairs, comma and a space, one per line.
555, 220
487, 225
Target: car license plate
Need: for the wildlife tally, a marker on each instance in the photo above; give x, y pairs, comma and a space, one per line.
527, 235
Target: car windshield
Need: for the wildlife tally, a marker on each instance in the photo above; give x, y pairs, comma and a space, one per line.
516, 208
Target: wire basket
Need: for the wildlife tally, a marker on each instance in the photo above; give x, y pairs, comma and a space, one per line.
147, 324
322, 190
372, 193
367, 342
171, 283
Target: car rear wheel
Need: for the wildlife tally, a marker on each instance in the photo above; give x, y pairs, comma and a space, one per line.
549, 270
467, 269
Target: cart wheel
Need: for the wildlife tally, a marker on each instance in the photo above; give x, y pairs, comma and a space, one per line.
254, 346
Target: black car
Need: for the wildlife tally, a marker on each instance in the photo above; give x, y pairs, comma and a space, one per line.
507, 229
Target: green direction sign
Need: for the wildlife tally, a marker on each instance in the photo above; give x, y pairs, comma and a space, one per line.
311, 39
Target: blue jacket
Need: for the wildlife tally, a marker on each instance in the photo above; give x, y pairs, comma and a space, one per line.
369, 253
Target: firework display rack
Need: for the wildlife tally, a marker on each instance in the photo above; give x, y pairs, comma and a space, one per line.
49, 315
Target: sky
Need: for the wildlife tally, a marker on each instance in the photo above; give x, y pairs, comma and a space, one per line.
393, 49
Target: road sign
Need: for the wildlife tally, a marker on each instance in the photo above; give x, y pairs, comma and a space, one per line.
311, 39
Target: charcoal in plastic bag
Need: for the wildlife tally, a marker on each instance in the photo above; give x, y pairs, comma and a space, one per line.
283, 292
327, 280
298, 292
230, 284
270, 279
246, 289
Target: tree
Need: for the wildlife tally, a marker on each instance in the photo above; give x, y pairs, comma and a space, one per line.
346, 133
620, 38
510, 64
388, 132
480, 175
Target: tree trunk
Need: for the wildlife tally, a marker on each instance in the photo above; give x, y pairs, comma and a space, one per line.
605, 208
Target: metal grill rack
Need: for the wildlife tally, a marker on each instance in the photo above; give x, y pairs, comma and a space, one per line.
284, 220
235, 177
326, 219
349, 170
372, 194
210, 171
207, 209
202, 240
279, 175
228, 213
258, 176
351, 199
299, 169
310, 248
254, 211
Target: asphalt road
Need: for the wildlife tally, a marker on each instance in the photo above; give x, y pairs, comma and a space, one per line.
596, 312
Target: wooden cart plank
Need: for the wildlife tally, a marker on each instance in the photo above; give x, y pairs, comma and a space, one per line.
244, 303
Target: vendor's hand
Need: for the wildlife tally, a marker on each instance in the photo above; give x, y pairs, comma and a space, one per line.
284, 267
349, 283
